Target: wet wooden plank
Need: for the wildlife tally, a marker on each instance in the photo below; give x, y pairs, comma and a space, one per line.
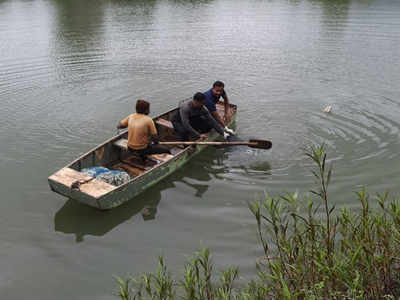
161, 157
138, 163
132, 171
121, 143
220, 108
95, 188
165, 123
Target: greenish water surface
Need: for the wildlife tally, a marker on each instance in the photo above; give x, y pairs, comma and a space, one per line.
69, 70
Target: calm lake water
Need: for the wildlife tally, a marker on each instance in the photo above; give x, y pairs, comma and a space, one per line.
69, 70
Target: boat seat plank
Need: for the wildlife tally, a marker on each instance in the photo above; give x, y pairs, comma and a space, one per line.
95, 188
132, 171
122, 144
220, 108
161, 157
135, 165
136, 162
165, 123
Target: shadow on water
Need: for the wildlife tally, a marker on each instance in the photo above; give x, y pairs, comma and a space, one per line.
248, 160
334, 12
78, 24
83, 220
263, 166
82, 39
142, 8
193, 2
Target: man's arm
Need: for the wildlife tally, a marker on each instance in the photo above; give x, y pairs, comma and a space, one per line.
123, 123
218, 118
214, 123
153, 132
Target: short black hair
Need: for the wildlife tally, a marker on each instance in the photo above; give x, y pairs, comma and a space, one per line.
218, 84
199, 97
142, 106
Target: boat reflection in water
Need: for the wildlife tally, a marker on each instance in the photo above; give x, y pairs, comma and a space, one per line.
213, 163
79, 219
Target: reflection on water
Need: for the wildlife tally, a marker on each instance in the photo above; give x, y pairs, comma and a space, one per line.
263, 166
250, 161
192, 2
78, 37
83, 220
334, 16
199, 188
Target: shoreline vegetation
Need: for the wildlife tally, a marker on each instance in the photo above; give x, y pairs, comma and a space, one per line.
312, 251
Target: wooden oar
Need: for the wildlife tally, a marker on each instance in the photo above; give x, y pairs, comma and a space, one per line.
259, 144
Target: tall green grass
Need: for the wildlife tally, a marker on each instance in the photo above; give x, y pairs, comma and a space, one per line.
312, 251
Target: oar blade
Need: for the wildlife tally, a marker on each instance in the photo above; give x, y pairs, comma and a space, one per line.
260, 144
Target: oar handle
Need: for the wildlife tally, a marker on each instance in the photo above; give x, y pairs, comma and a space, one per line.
259, 144
209, 143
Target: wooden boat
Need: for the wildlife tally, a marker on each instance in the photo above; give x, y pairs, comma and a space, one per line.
113, 155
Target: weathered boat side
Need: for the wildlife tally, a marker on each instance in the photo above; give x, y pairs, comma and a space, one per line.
104, 196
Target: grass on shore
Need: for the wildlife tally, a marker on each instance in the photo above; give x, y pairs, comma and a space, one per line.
312, 251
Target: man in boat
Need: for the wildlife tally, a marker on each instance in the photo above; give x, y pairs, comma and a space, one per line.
142, 133
193, 120
212, 97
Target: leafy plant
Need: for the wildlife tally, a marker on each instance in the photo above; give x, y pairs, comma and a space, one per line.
311, 251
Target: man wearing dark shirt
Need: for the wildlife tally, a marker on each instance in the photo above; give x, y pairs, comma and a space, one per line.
194, 120
212, 97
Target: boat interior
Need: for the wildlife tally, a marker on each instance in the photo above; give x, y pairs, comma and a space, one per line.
114, 153
132, 164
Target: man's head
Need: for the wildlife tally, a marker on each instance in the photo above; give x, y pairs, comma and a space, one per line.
199, 99
142, 107
218, 88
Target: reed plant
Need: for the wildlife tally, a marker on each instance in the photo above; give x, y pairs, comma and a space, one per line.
311, 251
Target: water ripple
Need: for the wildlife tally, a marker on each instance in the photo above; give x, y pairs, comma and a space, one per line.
371, 134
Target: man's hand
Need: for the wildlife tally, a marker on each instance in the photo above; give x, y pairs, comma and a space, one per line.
203, 136
226, 135
228, 130
155, 139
